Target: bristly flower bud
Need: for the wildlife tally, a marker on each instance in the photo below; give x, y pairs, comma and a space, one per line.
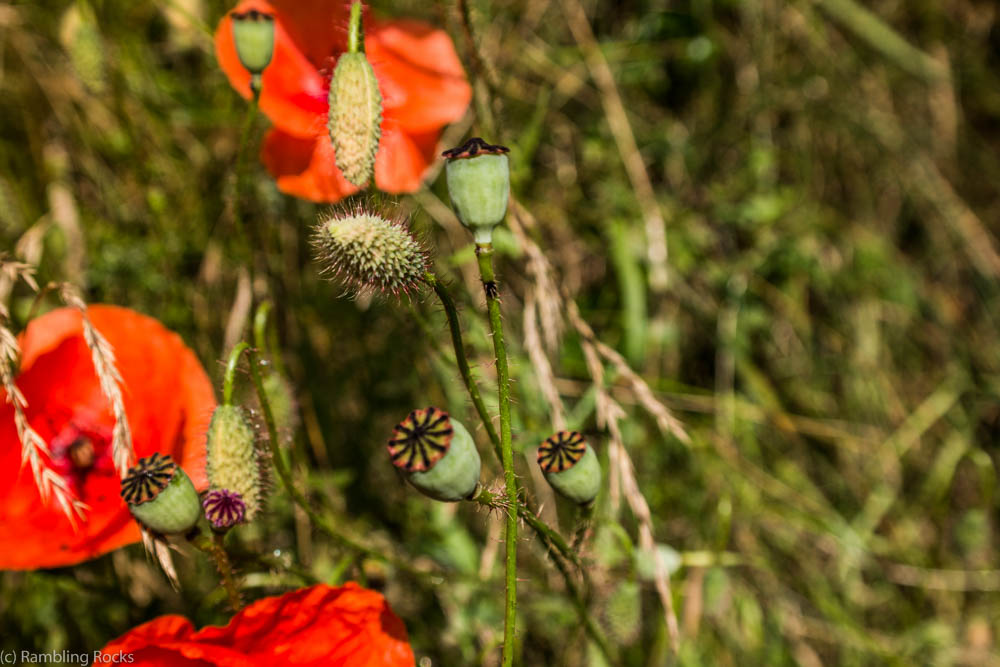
224, 508
570, 466
231, 457
253, 34
355, 117
369, 252
160, 495
479, 184
437, 455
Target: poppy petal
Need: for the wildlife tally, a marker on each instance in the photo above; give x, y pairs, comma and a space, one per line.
293, 93
168, 399
423, 83
320, 625
305, 167
403, 157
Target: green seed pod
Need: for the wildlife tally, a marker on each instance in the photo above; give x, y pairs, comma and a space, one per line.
570, 466
479, 184
161, 496
355, 120
231, 457
369, 252
437, 455
253, 34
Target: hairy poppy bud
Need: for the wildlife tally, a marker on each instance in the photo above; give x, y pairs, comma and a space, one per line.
355, 119
231, 457
369, 252
479, 184
437, 455
161, 496
570, 466
253, 34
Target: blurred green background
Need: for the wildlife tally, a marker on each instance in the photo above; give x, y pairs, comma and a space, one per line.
824, 324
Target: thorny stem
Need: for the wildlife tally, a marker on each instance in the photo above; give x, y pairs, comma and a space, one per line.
227, 383
297, 496
355, 38
547, 534
484, 253
214, 548
462, 360
241, 158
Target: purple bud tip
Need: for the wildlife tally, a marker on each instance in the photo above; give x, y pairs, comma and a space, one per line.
224, 508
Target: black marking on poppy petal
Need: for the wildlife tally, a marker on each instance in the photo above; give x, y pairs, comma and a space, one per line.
150, 476
561, 451
474, 147
421, 440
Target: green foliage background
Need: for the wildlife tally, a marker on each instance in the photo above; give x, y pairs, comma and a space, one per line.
827, 333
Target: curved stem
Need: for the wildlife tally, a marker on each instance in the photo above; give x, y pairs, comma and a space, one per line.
451, 311
547, 534
297, 496
484, 253
227, 383
265, 338
214, 547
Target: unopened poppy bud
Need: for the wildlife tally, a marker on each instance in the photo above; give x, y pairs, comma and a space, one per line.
479, 184
161, 496
437, 455
369, 252
253, 34
231, 457
224, 508
355, 120
570, 466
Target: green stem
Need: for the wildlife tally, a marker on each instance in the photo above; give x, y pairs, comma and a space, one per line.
227, 383
484, 254
355, 36
297, 496
451, 311
265, 338
214, 547
547, 534
248, 119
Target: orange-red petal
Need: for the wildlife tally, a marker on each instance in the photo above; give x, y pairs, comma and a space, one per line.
423, 84
403, 157
305, 167
293, 93
321, 625
168, 399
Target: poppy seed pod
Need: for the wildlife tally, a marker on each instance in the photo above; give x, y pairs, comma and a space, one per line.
479, 184
161, 496
437, 455
231, 457
253, 34
570, 466
369, 252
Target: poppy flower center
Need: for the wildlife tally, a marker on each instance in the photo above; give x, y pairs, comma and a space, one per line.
80, 450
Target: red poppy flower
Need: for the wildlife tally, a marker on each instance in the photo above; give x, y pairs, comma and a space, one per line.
348, 627
168, 399
421, 79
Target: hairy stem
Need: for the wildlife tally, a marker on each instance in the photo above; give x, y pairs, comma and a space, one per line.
463, 361
214, 547
484, 253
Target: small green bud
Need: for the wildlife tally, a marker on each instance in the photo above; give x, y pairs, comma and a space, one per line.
479, 184
355, 117
281, 398
231, 457
369, 252
570, 466
253, 34
161, 496
437, 455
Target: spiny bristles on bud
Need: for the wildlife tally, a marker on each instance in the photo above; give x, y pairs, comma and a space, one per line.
224, 508
355, 117
231, 457
368, 252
